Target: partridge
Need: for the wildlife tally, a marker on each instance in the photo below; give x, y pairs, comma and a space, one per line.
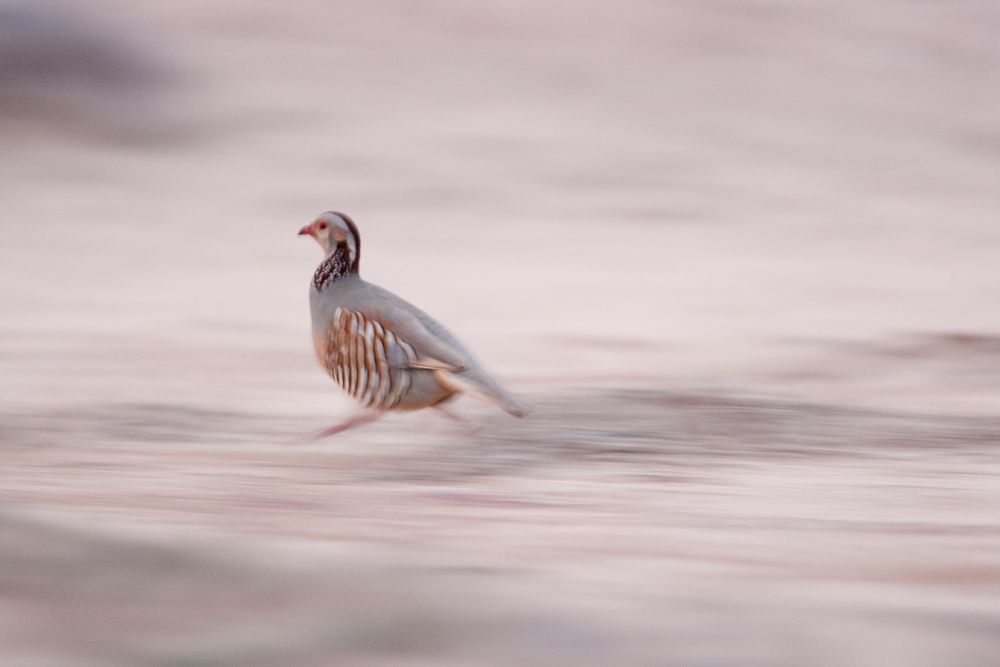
382, 350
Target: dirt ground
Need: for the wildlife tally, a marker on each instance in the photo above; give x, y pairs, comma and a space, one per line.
741, 258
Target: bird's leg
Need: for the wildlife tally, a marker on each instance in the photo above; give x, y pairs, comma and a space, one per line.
357, 420
448, 414
469, 427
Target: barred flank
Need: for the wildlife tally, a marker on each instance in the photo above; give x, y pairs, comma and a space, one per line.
368, 360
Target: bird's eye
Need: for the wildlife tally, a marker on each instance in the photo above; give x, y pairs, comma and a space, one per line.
321, 226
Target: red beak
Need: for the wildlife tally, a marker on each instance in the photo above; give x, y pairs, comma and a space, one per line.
306, 231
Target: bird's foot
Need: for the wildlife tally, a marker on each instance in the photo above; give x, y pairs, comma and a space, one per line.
468, 428
358, 420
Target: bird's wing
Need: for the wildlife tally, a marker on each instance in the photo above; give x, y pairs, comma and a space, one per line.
466, 375
436, 347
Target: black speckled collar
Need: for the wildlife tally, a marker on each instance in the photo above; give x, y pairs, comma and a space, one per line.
335, 266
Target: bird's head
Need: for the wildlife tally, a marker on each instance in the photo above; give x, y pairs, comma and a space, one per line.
336, 232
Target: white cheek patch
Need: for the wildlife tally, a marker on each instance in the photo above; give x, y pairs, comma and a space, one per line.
352, 248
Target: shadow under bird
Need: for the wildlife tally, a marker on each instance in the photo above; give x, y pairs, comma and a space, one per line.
382, 350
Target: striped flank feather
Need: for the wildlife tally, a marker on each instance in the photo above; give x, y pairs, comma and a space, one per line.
367, 360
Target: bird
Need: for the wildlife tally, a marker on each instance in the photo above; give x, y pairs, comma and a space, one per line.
382, 350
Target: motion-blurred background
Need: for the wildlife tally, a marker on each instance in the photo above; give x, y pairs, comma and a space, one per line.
741, 256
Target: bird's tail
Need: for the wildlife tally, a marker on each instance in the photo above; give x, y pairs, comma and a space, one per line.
481, 385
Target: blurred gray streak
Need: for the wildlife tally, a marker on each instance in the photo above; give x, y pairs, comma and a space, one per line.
66, 71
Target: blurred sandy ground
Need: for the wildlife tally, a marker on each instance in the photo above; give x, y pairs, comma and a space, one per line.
742, 256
